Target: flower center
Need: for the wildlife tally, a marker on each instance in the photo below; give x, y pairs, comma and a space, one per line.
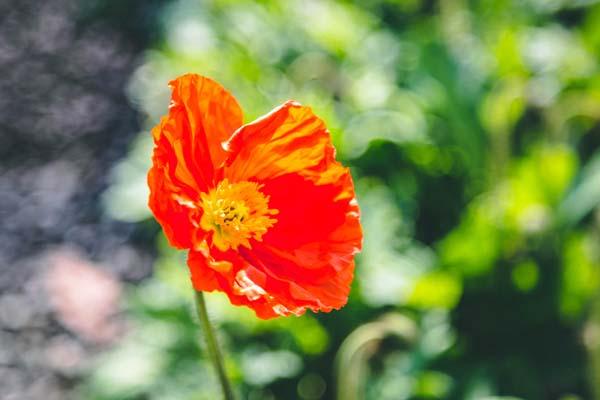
236, 212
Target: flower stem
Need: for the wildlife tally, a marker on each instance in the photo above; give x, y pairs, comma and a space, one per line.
212, 346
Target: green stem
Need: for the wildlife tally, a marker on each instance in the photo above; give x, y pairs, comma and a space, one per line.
212, 346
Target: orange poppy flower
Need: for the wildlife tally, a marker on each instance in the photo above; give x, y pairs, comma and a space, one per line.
267, 213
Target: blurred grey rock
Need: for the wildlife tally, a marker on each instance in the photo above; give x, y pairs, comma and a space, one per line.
64, 120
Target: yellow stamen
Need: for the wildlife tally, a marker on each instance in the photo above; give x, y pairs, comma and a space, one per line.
236, 213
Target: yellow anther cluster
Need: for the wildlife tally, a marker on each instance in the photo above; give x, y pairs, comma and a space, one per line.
236, 213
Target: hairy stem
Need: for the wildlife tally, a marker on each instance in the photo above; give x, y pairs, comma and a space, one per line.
213, 347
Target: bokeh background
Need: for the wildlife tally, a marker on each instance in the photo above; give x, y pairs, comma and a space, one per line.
472, 129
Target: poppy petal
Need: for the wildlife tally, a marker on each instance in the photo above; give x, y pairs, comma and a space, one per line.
246, 281
210, 115
313, 243
172, 188
229, 273
289, 139
187, 152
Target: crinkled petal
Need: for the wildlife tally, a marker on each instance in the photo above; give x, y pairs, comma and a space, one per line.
313, 243
249, 279
212, 114
188, 151
244, 284
289, 139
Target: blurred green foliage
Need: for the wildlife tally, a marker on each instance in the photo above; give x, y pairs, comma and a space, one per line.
472, 128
